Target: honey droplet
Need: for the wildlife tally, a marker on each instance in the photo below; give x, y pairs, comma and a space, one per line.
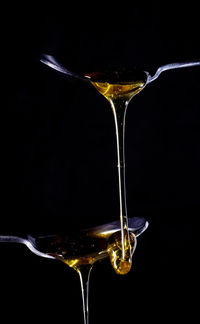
121, 264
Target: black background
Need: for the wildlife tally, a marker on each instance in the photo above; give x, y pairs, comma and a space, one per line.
58, 161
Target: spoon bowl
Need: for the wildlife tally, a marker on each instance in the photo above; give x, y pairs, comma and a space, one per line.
56, 246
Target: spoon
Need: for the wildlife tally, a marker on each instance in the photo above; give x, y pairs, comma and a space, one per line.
137, 225
51, 61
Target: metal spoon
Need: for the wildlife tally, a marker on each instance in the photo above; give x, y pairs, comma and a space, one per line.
137, 225
51, 61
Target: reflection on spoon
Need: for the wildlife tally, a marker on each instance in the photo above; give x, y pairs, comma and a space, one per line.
55, 65
172, 66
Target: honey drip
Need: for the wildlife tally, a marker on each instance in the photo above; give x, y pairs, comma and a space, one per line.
119, 94
121, 265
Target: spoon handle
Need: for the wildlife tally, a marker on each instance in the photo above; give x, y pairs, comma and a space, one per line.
172, 66
17, 239
11, 239
50, 61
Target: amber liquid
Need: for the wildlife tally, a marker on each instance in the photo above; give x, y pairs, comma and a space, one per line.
81, 251
119, 88
118, 84
85, 248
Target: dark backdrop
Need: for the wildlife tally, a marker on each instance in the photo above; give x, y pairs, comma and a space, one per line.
58, 161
